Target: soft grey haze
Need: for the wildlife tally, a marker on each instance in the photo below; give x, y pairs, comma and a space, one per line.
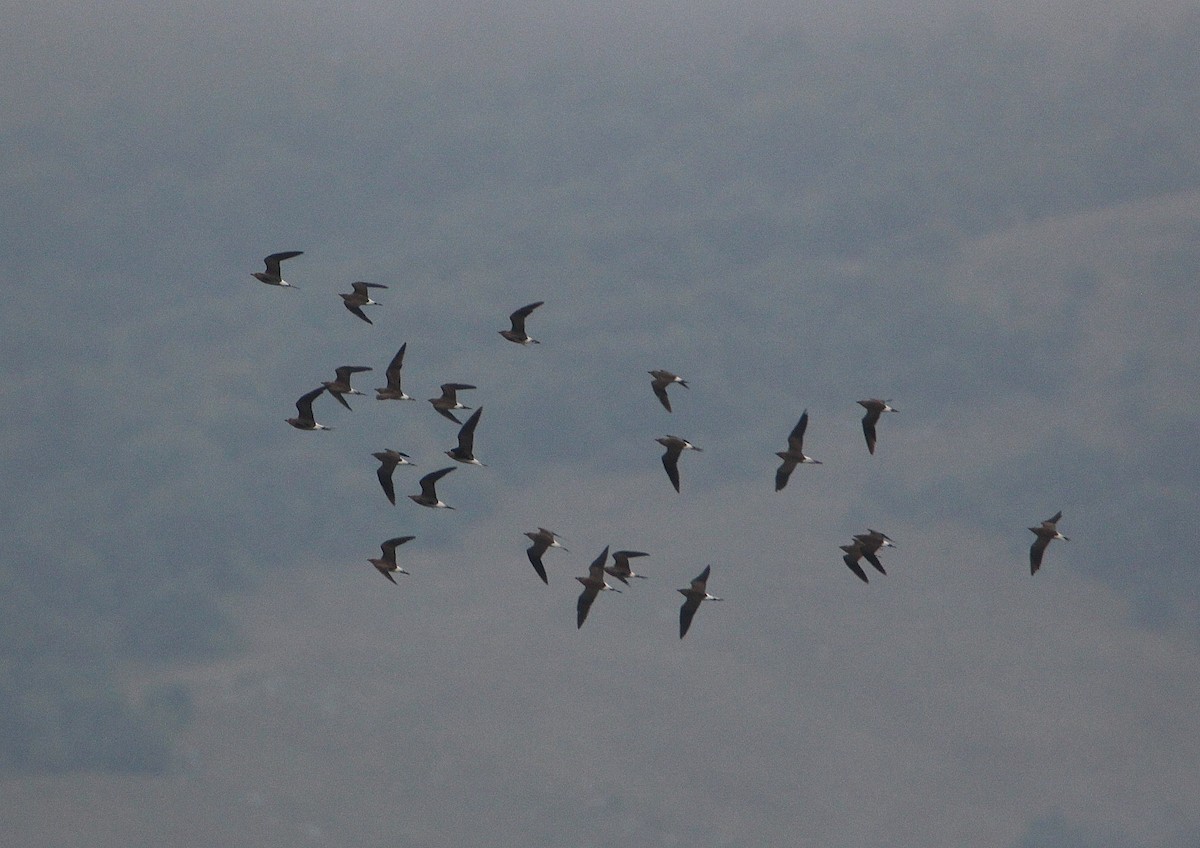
989, 214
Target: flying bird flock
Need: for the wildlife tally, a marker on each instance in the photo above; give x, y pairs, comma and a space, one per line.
863, 546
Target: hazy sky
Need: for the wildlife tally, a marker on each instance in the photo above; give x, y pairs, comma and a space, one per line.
989, 214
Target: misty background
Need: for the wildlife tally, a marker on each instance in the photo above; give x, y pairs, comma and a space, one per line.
989, 214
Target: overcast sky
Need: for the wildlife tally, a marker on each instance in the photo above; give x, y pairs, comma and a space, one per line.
989, 214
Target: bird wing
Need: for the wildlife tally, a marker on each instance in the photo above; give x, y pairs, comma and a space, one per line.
686, 613
796, 437
535, 552
852, 563
340, 399
584, 604
1035, 553
670, 461
518, 317
868, 428
389, 547
304, 404
357, 310
361, 288
385, 572
783, 473
394, 367
429, 481
870, 557
466, 436
596, 569
660, 389
385, 480
1057, 517
344, 371
272, 261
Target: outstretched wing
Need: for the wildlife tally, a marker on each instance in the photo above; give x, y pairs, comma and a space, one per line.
870, 557
518, 317
466, 436
1035, 553
686, 613
868, 428
534, 552
852, 563
304, 404
395, 366
660, 390
385, 480
783, 473
584, 604
272, 261
796, 437
429, 481
670, 461
357, 310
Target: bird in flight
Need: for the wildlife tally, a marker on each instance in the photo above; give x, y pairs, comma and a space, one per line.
875, 408
661, 380
670, 460
1046, 533
392, 390
794, 455
517, 333
360, 297
693, 596
387, 563
543, 540
869, 544
449, 400
465, 451
388, 460
304, 415
341, 387
593, 585
620, 568
273, 276
428, 496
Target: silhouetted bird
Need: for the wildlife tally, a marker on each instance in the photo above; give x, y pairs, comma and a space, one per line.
361, 297
449, 400
661, 380
428, 496
304, 415
670, 460
388, 460
794, 455
341, 386
1046, 533
620, 568
392, 390
465, 451
593, 585
694, 595
273, 276
543, 540
875, 408
517, 333
869, 543
387, 564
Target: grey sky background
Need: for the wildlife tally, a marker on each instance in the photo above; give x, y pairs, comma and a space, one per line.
988, 213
